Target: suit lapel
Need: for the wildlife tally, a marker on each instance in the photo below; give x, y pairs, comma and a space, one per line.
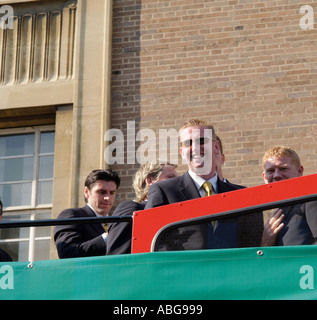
287, 211
97, 226
88, 211
226, 187
187, 187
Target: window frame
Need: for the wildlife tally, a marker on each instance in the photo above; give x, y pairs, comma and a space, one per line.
33, 210
34, 193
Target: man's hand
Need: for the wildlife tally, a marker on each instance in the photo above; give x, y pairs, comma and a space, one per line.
272, 228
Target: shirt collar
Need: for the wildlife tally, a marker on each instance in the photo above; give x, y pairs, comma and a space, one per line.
199, 181
96, 213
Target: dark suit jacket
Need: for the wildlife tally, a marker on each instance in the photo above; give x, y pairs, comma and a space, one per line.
300, 225
238, 231
120, 234
4, 256
82, 240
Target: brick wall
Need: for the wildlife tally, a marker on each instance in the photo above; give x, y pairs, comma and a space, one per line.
245, 65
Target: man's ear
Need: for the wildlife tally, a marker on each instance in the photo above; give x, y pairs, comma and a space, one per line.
149, 180
264, 177
181, 152
217, 147
300, 171
223, 159
86, 193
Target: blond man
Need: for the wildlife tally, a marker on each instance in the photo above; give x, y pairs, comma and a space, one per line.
291, 225
199, 148
120, 234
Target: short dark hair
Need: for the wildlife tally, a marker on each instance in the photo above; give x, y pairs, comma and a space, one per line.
99, 174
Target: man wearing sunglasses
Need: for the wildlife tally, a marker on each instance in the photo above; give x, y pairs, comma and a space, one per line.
199, 148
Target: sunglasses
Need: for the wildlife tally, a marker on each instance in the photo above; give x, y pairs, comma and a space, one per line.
198, 141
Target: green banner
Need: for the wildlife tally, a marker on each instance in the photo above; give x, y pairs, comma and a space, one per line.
251, 273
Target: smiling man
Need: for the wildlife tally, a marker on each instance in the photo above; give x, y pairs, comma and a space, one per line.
291, 225
198, 144
86, 240
281, 163
199, 147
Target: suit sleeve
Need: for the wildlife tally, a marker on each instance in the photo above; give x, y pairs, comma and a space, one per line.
156, 197
71, 240
191, 237
4, 256
120, 234
311, 218
250, 225
250, 229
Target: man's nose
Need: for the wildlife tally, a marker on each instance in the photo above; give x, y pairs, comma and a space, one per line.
195, 146
277, 175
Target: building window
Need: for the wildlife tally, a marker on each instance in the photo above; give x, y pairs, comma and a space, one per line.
26, 185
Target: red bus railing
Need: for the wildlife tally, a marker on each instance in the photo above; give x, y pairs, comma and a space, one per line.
148, 224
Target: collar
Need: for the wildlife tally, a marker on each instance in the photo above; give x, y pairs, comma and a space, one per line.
199, 181
96, 213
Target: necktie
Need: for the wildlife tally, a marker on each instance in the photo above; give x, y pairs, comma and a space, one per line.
207, 186
105, 227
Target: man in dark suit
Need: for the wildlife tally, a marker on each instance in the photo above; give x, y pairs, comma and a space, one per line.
85, 240
120, 233
199, 147
291, 225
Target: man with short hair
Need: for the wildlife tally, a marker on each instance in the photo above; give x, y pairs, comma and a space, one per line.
84, 240
199, 147
292, 225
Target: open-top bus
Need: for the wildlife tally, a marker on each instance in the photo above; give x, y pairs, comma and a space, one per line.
240, 273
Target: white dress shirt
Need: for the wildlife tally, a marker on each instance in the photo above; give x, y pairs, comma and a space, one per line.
104, 235
199, 181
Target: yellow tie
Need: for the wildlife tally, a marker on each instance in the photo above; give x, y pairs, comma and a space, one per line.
105, 227
207, 186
